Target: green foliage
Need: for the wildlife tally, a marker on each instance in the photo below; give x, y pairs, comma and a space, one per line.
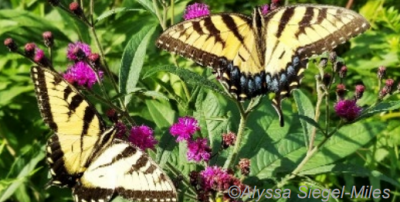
157, 88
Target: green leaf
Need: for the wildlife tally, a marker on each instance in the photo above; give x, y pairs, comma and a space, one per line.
115, 11
272, 148
8, 95
162, 114
25, 172
306, 109
148, 6
132, 61
156, 95
343, 143
187, 76
210, 114
356, 170
381, 107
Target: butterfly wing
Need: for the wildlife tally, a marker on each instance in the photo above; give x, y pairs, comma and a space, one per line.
77, 126
224, 41
123, 169
295, 33
264, 53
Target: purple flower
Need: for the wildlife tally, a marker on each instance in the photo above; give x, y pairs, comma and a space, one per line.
78, 47
198, 150
81, 74
347, 109
216, 178
142, 137
39, 55
265, 9
196, 10
185, 128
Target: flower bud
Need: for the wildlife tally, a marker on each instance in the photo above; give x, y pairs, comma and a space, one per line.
359, 91
244, 165
94, 60
327, 79
388, 84
48, 39
112, 115
11, 45
75, 8
193, 178
228, 140
384, 91
340, 91
30, 50
343, 72
381, 72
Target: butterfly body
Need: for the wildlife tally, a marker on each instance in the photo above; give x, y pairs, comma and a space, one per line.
84, 155
263, 53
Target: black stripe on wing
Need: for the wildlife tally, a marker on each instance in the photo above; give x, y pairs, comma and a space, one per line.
39, 80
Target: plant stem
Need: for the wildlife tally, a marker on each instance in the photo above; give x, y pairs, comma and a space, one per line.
243, 118
303, 162
184, 178
158, 15
320, 96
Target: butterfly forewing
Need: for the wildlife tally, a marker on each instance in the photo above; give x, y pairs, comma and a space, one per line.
304, 30
76, 124
63, 108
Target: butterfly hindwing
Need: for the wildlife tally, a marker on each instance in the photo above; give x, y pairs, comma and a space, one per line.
118, 168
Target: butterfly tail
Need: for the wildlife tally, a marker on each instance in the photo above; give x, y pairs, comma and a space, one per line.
276, 103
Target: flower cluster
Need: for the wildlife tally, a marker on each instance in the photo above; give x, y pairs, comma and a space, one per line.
198, 149
346, 109
196, 10
266, 8
184, 129
142, 137
81, 73
215, 179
